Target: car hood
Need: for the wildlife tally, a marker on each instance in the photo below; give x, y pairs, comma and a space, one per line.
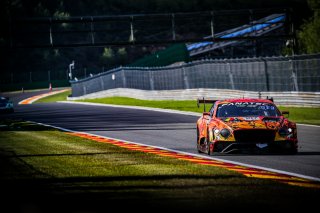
253, 122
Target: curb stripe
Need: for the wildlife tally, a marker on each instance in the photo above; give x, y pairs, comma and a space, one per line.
37, 97
246, 171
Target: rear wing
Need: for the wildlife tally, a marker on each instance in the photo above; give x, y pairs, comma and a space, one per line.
204, 102
270, 98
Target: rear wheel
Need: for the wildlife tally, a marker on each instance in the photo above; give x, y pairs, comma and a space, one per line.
209, 144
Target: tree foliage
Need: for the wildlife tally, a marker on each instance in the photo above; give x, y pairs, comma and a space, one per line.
27, 60
308, 36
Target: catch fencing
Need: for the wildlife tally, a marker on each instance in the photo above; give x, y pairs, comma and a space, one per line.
269, 74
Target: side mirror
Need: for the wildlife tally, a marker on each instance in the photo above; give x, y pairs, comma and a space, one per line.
285, 114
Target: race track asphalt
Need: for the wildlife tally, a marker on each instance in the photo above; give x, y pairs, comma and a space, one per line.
173, 131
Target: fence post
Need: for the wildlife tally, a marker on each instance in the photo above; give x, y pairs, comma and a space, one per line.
151, 80
124, 80
185, 79
266, 73
102, 83
230, 76
113, 77
293, 76
84, 90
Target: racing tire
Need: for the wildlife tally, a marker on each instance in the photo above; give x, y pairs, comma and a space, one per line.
198, 149
291, 150
209, 151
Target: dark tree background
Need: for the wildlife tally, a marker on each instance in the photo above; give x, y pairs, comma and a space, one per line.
97, 59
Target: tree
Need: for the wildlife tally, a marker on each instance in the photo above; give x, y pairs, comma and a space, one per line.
308, 36
107, 59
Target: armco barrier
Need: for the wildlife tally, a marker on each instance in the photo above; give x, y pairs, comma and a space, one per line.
307, 99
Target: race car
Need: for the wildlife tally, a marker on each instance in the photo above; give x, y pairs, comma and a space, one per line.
6, 106
245, 125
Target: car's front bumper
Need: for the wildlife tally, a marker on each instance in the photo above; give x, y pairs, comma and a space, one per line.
288, 146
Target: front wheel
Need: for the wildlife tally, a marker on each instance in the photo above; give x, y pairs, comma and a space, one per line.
290, 148
210, 148
197, 142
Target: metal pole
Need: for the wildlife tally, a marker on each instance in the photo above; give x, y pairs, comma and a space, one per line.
71, 66
254, 41
92, 31
212, 24
292, 33
185, 79
70, 73
230, 76
131, 31
50, 34
293, 40
173, 27
266, 74
124, 80
294, 76
151, 80
102, 83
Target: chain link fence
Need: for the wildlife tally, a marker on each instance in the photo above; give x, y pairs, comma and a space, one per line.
297, 73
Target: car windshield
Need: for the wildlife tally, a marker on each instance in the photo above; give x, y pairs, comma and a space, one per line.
243, 109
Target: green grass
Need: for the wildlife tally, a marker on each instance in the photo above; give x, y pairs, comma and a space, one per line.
54, 98
61, 164
306, 115
186, 105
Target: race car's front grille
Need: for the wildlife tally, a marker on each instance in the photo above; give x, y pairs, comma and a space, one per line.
254, 136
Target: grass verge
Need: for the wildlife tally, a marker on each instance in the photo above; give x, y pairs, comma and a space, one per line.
51, 170
54, 98
306, 115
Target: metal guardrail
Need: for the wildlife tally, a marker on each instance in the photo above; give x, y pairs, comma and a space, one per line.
305, 99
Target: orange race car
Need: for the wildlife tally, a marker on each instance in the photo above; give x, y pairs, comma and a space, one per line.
245, 125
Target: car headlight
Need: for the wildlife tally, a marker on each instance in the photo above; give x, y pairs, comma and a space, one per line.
225, 133
284, 131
